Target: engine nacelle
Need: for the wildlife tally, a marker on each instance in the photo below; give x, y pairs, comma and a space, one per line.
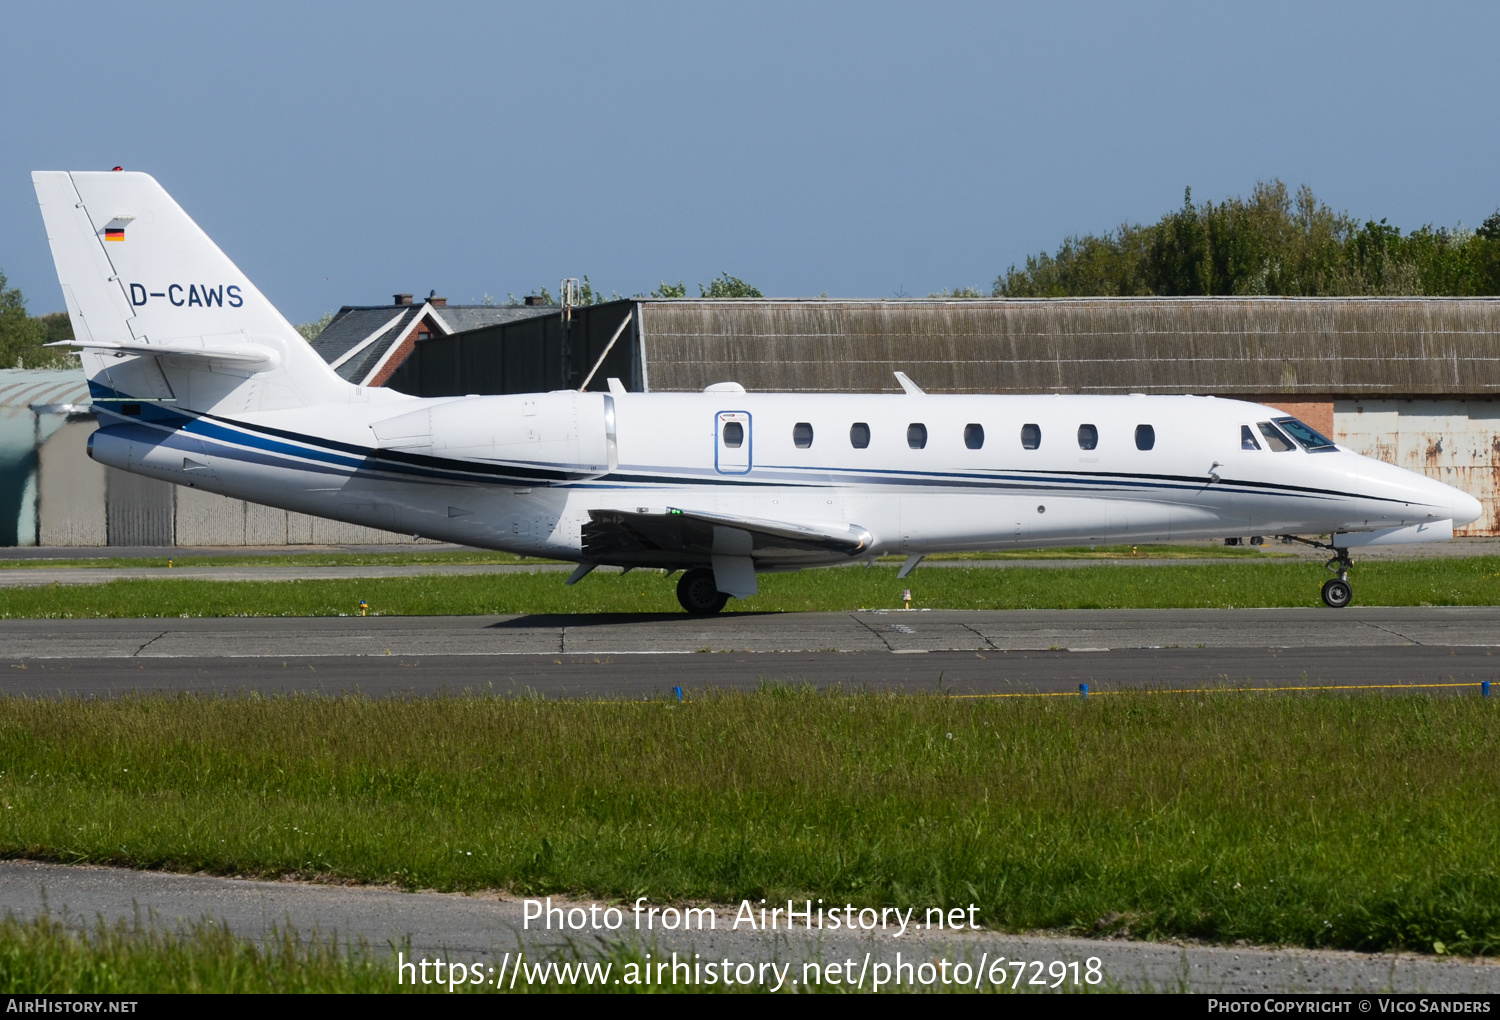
564, 429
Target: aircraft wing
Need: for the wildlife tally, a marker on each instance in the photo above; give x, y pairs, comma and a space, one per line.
673, 538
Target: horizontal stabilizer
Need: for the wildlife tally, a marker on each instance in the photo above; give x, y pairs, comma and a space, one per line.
249, 355
675, 538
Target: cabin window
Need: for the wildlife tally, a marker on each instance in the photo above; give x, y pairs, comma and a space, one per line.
859, 435
1145, 437
974, 436
1088, 437
1031, 436
1311, 439
916, 435
1247, 438
734, 435
802, 435
1274, 439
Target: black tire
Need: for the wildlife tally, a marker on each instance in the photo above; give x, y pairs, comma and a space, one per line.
698, 593
1337, 593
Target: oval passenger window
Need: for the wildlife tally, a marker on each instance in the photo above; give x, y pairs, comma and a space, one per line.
974, 436
734, 434
1031, 436
859, 435
802, 435
1088, 437
916, 435
1145, 437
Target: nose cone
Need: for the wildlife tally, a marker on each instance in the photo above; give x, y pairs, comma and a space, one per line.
1466, 509
1452, 502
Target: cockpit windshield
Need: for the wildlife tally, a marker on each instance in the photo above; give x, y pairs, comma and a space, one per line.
1310, 439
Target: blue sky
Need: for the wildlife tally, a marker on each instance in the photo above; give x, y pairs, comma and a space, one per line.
342, 152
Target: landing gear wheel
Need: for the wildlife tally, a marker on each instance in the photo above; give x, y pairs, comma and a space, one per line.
698, 593
1337, 593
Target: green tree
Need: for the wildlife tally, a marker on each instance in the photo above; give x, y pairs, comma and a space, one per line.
1272, 243
727, 286
310, 330
21, 336
59, 326
671, 290
1487, 255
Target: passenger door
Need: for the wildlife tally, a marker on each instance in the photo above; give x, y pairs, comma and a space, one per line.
732, 442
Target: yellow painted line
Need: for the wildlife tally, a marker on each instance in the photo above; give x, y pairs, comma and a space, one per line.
1222, 690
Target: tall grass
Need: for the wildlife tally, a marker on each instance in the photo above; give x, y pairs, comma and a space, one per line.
1318, 820
41, 957
1452, 582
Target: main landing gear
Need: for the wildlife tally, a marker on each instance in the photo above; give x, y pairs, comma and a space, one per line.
1336, 591
699, 594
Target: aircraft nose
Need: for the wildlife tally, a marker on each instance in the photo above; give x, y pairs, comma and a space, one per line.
1465, 508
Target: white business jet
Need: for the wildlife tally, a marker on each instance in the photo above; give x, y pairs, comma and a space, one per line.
199, 381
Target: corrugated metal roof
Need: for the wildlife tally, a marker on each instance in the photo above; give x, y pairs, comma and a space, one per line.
23, 387
461, 318
1408, 346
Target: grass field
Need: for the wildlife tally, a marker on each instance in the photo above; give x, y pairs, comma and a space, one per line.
1447, 582
40, 957
1314, 820
417, 557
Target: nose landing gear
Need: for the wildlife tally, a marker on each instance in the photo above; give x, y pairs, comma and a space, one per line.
1336, 592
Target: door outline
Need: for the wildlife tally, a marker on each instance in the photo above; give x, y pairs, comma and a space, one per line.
733, 467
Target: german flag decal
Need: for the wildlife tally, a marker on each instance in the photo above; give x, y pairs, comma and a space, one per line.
114, 233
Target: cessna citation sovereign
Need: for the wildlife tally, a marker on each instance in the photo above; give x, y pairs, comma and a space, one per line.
199, 381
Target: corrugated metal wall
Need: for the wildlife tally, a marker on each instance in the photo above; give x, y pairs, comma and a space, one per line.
20, 431
70, 490
138, 510
1293, 347
1454, 441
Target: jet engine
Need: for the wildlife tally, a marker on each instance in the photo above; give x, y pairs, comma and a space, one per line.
567, 430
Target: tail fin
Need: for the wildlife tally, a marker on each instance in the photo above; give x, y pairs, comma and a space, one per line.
160, 311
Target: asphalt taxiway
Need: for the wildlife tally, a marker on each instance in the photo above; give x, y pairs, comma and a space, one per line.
642, 655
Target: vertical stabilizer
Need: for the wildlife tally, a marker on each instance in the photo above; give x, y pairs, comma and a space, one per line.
139, 276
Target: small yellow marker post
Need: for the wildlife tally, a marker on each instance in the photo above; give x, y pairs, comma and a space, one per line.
363, 607
169, 564
906, 597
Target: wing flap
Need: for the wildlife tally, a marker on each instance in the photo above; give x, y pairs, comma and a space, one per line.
674, 538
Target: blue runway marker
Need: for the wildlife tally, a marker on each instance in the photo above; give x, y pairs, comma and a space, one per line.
677, 691
1083, 690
